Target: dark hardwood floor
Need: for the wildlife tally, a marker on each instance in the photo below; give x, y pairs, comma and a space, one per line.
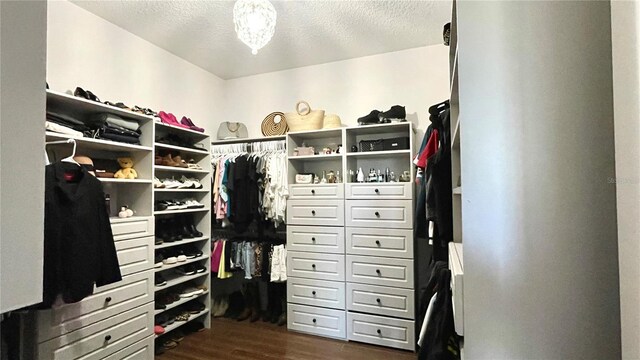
233, 340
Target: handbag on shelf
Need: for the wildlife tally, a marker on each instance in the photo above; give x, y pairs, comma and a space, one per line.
232, 130
305, 119
274, 124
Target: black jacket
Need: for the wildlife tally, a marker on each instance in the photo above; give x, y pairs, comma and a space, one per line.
78, 243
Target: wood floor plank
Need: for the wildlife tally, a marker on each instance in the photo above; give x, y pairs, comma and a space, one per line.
232, 340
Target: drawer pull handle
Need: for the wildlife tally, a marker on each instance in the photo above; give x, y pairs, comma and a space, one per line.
313, 192
108, 299
313, 266
314, 321
377, 214
378, 242
313, 293
313, 239
378, 301
377, 191
313, 212
378, 271
379, 332
107, 338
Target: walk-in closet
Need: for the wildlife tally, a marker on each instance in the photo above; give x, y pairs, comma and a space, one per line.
312, 180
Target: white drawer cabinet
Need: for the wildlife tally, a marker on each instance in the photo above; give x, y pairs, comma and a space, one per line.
315, 239
380, 271
315, 266
330, 294
380, 213
380, 242
133, 227
135, 254
317, 321
380, 330
142, 350
315, 191
101, 339
107, 301
396, 190
315, 212
381, 300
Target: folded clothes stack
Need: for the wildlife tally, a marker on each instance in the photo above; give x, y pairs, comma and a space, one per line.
112, 127
66, 121
61, 129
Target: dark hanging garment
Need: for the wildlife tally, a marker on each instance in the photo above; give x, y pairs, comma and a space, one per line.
79, 250
441, 341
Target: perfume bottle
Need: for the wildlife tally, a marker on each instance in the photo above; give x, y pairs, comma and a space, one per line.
360, 176
386, 175
324, 178
380, 178
372, 176
392, 177
338, 179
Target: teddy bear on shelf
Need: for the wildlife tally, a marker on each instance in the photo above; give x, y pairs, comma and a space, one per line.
127, 171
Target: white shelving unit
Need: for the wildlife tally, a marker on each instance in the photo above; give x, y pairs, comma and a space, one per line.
46, 334
201, 217
339, 234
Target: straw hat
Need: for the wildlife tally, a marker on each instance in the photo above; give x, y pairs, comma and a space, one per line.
331, 121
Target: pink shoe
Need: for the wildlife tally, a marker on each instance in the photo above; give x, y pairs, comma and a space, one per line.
170, 119
186, 121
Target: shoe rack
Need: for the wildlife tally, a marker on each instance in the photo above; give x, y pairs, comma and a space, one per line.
171, 221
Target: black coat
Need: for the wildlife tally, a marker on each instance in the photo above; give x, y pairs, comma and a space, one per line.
79, 250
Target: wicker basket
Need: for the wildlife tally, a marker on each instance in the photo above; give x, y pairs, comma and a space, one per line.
331, 122
306, 119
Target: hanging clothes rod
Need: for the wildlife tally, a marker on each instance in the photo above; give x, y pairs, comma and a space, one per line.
248, 147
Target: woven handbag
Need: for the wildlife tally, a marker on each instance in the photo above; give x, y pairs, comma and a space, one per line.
271, 127
306, 119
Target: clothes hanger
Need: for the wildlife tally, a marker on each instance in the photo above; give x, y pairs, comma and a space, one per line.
68, 159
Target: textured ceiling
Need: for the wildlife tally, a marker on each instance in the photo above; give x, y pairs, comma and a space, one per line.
307, 32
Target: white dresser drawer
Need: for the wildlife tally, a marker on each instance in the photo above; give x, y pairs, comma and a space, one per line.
396, 190
381, 330
101, 339
315, 212
135, 254
381, 300
380, 242
380, 213
133, 227
315, 292
380, 271
315, 191
142, 350
317, 321
315, 239
315, 266
134, 290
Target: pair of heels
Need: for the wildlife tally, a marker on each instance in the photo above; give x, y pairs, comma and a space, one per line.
185, 122
168, 160
396, 112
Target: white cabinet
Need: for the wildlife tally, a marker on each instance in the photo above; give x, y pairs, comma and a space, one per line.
380, 213
380, 242
368, 191
316, 191
381, 330
328, 294
381, 300
315, 212
315, 320
380, 271
315, 265
323, 239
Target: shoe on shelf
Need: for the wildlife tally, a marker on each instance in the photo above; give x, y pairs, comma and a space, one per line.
371, 119
191, 252
193, 204
160, 206
183, 316
171, 183
159, 306
167, 160
200, 269
160, 281
193, 165
396, 113
181, 163
158, 330
187, 122
159, 261
186, 270
157, 183
170, 119
190, 291
170, 260
185, 183
194, 307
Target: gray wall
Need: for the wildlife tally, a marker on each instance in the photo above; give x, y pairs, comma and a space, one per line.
540, 248
625, 28
23, 27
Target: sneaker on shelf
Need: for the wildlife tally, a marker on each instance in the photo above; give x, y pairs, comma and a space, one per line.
159, 261
195, 307
188, 183
181, 205
157, 183
170, 183
193, 204
200, 269
190, 291
186, 270
160, 281
181, 258
397, 113
173, 205
170, 260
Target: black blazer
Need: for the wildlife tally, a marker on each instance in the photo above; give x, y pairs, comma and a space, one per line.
79, 250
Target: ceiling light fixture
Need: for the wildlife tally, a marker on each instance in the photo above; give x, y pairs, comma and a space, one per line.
255, 22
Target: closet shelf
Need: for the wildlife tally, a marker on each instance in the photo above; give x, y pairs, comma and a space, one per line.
455, 139
168, 212
179, 169
457, 190
180, 242
381, 129
177, 324
84, 107
179, 130
125, 181
379, 153
119, 220
248, 140
97, 144
180, 302
182, 190
181, 149
180, 279
180, 263
318, 157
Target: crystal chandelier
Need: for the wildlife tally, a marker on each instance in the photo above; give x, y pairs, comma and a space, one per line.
255, 22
